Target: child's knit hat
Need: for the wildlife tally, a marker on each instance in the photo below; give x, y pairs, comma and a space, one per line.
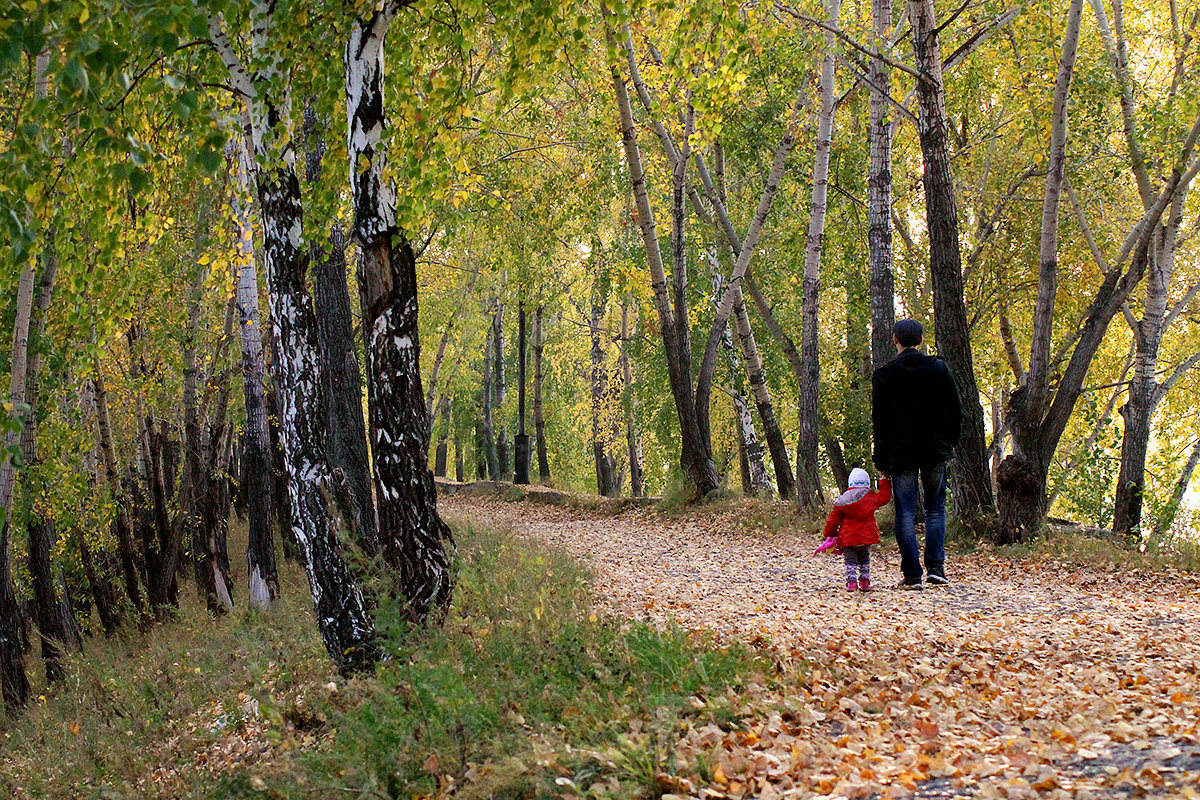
859, 479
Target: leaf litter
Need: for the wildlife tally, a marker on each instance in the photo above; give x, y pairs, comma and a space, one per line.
1021, 679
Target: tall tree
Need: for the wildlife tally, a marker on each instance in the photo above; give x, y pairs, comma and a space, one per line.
879, 198
695, 457
808, 484
340, 376
1040, 410
970, 483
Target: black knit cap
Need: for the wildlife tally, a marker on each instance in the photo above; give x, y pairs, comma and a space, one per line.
908, 332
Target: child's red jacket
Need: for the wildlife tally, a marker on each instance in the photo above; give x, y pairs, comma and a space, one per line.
854, 522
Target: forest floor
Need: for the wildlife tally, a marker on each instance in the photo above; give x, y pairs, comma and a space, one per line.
1025, 677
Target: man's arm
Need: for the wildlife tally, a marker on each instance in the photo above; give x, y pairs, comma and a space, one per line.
879, 428
953, 405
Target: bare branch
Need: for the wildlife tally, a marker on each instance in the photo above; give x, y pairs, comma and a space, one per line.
839, 33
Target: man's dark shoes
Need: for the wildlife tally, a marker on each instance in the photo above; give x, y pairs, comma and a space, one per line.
912, 587
937, 579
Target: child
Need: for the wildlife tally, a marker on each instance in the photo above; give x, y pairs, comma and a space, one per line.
851, 527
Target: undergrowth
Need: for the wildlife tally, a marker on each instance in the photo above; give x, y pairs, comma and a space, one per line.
522, 692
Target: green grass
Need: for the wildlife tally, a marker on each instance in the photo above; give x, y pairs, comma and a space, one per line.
524, 691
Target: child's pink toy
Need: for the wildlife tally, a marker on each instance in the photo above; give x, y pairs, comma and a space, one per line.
829, 544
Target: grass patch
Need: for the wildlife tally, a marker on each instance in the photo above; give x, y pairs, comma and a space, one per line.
523, 692
522, 687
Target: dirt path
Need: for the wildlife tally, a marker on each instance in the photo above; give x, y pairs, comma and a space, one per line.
1018, 680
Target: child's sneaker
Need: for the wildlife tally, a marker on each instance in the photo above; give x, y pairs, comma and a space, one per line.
864, 585
851, 586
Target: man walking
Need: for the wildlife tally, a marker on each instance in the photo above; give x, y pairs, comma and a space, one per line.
916, 415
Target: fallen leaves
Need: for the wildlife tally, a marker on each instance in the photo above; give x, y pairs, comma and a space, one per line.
1022, 679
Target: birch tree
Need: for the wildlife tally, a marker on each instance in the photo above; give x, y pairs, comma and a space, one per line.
414, 538
263, 576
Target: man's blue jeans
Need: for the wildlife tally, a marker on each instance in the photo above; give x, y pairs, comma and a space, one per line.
907, 488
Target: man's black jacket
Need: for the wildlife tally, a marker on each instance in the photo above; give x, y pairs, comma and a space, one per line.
916, 412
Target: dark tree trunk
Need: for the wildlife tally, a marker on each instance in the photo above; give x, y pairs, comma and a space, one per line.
160, 581
55, 618
970, 482
103, 590
1023, 483
415, 540
281, 504
499, 389
459, 472
340, 376
539, 377
320, 510
486, 440
633, 435
121, 520
521, 442
602, 427
441, 453
440, 456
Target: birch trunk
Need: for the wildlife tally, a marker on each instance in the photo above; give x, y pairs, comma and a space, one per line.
970, 484
196, 456
161, 591
808, 481
57, 628
1145, 391
14, 681
879, 196
606, 467
414, 538
757, 483
1162, 525
263, 575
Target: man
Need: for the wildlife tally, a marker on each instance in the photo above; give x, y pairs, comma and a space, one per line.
916, 415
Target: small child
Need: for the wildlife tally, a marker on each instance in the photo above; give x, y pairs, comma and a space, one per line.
851, 527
